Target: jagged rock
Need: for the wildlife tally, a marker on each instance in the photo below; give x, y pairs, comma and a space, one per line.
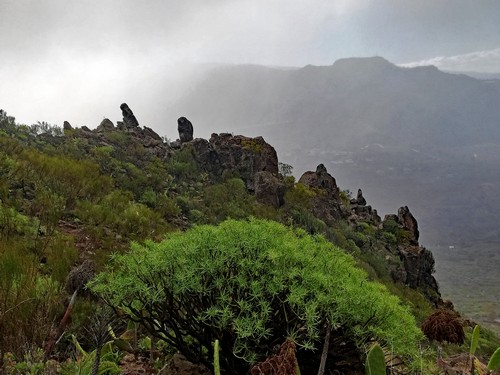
185, 129
244, 157
419, 266
269, 189
406, 219
129, 119
86, 129
148, 132
105, 125
67, 126
326, 203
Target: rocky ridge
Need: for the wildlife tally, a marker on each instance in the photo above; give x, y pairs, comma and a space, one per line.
256, 163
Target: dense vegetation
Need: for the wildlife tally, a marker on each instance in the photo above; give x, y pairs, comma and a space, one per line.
67, 199
251, 284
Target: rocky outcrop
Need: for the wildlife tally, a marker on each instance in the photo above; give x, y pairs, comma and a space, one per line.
67, 126
417, 261
185, 129
269, 189
409, 223
129, 119
105, 125
244, 157
325, 204
251, 159
360, 211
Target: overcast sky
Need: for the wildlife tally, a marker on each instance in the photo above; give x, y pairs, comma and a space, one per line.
77, 60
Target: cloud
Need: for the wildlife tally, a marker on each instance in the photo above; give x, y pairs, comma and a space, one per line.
480, 61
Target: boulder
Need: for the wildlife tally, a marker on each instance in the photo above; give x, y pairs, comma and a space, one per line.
325, 205
418, 263
185, 129
129, 119
105, 125
269, 189
244, 157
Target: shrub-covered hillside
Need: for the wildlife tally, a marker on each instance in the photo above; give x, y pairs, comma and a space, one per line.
301, 260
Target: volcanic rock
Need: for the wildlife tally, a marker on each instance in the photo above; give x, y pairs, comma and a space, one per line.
326, 202
129, 119
105, 125
185, 129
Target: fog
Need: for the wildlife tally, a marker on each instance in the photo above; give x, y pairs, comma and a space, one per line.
78, 60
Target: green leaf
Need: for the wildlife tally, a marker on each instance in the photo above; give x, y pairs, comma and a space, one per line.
375, 361
474, 340
494, 362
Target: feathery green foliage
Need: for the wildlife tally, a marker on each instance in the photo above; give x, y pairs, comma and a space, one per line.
251, 283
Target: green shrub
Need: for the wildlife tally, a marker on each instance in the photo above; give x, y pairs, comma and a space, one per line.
251, 284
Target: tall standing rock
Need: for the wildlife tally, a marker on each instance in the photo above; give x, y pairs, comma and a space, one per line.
128, 116
185, 129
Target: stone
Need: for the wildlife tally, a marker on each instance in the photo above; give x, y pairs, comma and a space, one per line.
269, 189
67, 126
326, 202
128, 116
244, 157
418, 263
360, 199
185, 129
408, 222
105, 125
148, 132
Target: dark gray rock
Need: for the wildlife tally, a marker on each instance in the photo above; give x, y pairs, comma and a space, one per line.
129, 119
408, 222
325, 204
185, 129
67, 126
269, 189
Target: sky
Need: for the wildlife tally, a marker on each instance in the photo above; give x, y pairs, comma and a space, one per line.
78, 60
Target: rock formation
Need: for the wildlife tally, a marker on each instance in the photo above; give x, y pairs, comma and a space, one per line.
408, 222
129, 119
105, 125
67, 126
185, 129
360, 211
326, 202
418, 262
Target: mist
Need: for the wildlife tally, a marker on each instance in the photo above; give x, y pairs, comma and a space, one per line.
77, 61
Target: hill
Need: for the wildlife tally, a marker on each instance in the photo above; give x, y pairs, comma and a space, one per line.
431, 137
73, 197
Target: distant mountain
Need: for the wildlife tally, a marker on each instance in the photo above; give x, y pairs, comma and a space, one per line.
414, 135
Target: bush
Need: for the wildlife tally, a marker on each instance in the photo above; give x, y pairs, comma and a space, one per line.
251, 284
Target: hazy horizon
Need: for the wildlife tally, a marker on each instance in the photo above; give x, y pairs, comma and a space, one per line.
77, 61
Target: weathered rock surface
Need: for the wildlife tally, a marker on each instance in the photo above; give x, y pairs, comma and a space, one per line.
326, 202
185, 129
105, 125
129, 119
418, 262
269, 189
244, 157
406, 219
67, 126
